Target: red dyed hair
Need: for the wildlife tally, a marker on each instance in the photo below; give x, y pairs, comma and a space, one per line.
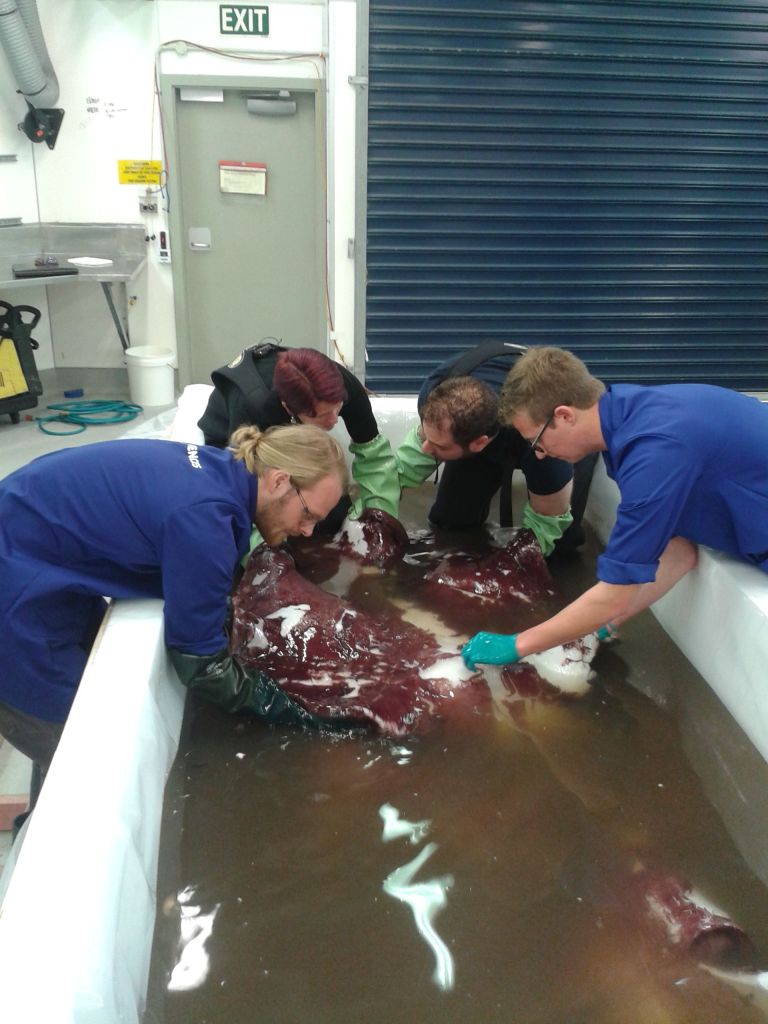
304, 377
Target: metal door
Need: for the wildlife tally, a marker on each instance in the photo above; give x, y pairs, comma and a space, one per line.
251, 263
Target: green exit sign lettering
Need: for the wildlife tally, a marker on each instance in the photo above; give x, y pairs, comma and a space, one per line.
243, 20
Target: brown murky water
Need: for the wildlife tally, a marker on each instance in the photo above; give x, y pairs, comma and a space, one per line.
272, 905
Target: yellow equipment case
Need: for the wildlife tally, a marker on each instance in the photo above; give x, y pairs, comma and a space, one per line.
19, 381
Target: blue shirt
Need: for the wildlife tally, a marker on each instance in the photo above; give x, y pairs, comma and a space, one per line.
690, 460
125, 519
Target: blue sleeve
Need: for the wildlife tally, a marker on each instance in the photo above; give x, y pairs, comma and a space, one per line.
198, 563
655, 478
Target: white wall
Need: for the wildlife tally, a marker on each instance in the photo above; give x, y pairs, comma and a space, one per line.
17, 180
342, 97
104, 53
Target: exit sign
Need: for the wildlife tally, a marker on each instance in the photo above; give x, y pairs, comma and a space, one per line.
243, 20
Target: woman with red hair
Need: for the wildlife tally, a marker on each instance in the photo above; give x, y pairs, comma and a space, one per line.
268, 385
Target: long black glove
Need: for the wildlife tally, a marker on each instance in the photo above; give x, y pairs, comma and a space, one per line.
220, 679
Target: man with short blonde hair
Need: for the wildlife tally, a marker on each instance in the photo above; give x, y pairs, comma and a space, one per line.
545, 377
690, 463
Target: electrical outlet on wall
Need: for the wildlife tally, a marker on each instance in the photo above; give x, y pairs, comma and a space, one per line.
147, 203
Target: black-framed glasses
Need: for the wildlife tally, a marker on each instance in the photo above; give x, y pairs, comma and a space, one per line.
308, 514
534, 444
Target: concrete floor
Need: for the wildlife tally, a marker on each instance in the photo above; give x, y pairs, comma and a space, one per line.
21, 443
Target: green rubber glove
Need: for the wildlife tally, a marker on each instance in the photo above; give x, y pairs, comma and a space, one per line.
255, 541
414, 466
220, 679
547, 529
375, 472
490, 649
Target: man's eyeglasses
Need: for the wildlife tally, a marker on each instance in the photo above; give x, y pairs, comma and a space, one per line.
307, 515
534, 444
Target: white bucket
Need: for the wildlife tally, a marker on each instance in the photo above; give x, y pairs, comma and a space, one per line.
150, 375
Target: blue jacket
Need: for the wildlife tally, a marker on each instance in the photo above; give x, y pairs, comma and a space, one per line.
124, 519
690, 460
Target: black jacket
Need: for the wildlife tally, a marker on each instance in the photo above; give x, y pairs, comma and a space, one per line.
243, 395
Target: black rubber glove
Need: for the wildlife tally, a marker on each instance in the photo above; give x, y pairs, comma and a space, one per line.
220, 679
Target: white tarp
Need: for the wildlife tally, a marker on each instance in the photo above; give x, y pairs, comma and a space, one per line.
718, 617
78, 915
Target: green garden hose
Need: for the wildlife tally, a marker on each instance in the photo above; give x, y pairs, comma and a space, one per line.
82, 414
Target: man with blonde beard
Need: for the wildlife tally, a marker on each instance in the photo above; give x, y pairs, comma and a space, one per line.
145, 518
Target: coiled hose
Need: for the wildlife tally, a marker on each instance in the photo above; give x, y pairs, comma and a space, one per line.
82, 414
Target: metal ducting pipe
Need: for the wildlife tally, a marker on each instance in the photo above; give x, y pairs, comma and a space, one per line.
22, 39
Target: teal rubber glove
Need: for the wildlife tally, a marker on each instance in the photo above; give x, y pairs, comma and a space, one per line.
607, 632
414, 466
490, 649
376, 474
547, 529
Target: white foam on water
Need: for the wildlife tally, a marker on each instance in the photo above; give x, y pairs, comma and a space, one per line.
423, 619
425, 900
396, 827
258, 638
339, 624
353, 532
499, 692
291, 614
193, 964
323, 679
453, 669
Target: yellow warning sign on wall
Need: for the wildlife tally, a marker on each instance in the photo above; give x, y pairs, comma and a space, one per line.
139, 172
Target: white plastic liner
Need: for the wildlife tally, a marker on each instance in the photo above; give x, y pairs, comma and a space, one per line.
78, 915
395, 415
718, 617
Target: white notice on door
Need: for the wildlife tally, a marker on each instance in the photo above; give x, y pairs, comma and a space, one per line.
246, 178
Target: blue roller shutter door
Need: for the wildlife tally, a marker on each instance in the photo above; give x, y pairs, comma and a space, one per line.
593, 175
